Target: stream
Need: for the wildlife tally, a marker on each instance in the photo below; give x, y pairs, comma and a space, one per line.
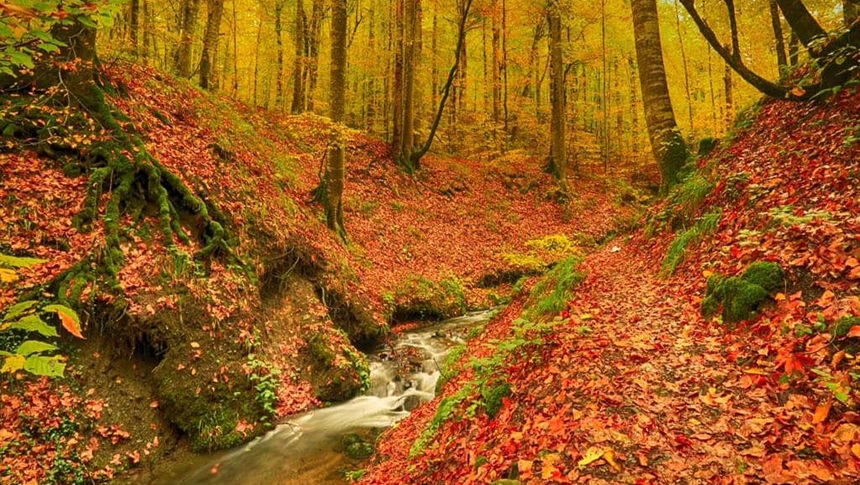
303, 449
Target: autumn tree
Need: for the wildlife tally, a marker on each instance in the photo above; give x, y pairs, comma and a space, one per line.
557, 163
190, 11
208, 60
334, 173
667, 144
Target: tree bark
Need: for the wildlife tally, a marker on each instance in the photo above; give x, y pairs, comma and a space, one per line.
190, 11
728, 86
334, 174
409, 49
298, 103
557, 164
279, 76
801, 21
208, 64
668, 146
134, 24
779, 44
313, 50
850, 12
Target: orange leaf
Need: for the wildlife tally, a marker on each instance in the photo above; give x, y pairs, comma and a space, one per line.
854, 331
68, 318
821, 411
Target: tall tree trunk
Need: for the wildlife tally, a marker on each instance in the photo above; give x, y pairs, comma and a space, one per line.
313, 51
279, 76
557, 164
298, 103
397, 88
190, 11
604, 98
668, 146
504, 69
634, 108
497, 69
409, 48
334, 174
235, 89
801, 21
850, 12
134, 24
257, 52
434, 66
730, 102
779, 44
208, 64
793, 48
684, 63
148, 41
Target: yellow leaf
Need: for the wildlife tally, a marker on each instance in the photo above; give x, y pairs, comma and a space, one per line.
593, 454
8, 276
13, 363
609, 456
855, 448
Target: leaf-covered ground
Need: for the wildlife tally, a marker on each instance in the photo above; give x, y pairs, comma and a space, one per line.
209, 326
633, 385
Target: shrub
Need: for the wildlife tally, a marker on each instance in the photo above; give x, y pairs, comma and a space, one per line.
678, 250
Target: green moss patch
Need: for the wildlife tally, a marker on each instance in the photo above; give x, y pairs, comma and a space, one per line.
421, 298
739, 297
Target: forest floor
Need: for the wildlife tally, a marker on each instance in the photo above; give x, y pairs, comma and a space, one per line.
624, 378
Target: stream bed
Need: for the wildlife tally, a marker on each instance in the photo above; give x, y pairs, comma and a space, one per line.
304, 449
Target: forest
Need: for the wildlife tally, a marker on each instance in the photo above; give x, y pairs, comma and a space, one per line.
502, 242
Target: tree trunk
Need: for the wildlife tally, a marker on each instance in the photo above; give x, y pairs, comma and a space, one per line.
298, 103
397, 88
850, 12
801, 21
279, 76
793, 49
190, 11
410, 37
134, 24
684, 62
208, 69
668, 146
779, 45
727, 82
634, 111
334, 174
313, 51
557, 164
497, 71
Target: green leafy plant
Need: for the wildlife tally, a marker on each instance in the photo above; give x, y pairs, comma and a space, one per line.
26, 318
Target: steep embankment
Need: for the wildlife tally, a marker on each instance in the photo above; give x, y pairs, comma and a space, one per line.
207, 347
717, 345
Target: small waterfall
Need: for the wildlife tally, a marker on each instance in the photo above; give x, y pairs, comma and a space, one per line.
301, 450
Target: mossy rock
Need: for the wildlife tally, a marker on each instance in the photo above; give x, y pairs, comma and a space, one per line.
765, 274
715, 283
338, 371
710, 306
707, 146
421, 298
493, 397
741, 299
356, 447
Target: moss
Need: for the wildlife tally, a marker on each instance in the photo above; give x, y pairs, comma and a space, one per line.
673, 159
842, 326
715, 285
707, 146
492, 397
356, 448
741, 299
551, 294
677, 252
710, 306
419, 297
765, 274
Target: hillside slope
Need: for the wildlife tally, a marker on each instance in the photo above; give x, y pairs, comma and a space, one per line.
724, 352
185, 345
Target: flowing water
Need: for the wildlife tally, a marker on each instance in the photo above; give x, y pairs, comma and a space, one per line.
302, 450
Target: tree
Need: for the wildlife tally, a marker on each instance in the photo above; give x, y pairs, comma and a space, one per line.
334, 173
208, 64
779, 44
279, 76
416, 156
834, 68
134, 24
668, 146
557, 163
190, 11
298, 103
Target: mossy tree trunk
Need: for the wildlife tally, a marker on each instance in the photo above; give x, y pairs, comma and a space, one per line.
190, 11
668, 146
